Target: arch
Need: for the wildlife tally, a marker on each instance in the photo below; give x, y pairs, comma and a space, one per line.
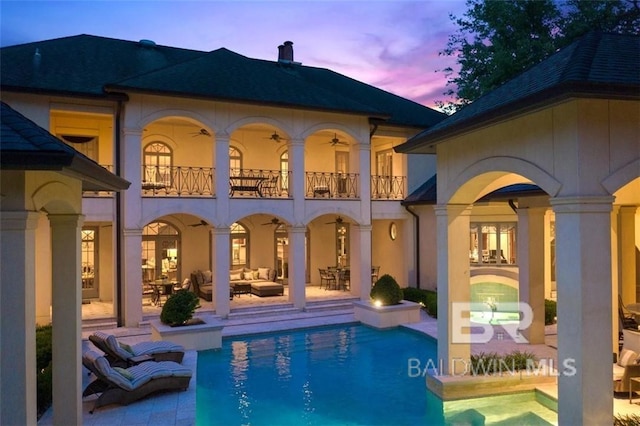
622, 176
236, 125
267, 210
327, 126
57, 198
187, 115
330, 211
482, 172
158, 137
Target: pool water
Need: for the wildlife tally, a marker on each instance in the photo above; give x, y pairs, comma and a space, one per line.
337, 375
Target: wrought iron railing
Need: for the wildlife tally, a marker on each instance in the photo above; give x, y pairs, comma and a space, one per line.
388, 187
177, 181
331, 185
258, 183
93, 194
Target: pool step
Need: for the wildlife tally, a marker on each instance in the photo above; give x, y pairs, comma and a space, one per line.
99, 324
331, 305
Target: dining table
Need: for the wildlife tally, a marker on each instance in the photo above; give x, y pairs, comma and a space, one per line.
161, 288
246, 184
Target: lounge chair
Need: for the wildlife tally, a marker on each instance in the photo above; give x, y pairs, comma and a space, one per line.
123, 355
125, 385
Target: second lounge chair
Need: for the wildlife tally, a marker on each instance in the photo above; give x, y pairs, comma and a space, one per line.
122, 355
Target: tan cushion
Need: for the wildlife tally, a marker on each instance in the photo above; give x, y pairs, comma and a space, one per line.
263, 273
627, 357
207, 276
248, 276
235, 276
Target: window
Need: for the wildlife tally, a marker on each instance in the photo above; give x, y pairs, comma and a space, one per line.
342, 243
89, 249
235, 161
384, 171
158, 160
493, 243
160, 252
88, 145
239, 246
284, 171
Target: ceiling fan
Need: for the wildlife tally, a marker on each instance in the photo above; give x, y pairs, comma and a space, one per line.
201, 223
335, 141
201, 132
276, 137
274, 221
338, 220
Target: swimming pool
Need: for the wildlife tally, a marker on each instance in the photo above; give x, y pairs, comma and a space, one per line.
336, 375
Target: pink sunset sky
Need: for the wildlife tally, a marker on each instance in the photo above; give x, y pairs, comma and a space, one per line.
393, 45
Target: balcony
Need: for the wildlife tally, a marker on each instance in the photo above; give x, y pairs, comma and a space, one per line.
331, 185
177, 181
388, 187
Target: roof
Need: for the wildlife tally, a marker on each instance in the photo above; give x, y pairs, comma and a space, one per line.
26, 146
91, 66
427, 193
596, 65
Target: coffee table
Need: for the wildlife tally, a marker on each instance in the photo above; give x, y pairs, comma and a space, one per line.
242, 288
632, 380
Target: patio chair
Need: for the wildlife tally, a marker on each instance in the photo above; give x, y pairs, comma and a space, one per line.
327, 278
344, 279
122, 355
126, 385
624, 369
627, 318
375, 270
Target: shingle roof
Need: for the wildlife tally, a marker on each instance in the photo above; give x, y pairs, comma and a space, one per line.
597, 65
26, 146
86, 65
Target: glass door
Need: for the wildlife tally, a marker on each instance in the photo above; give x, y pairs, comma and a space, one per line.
89, 262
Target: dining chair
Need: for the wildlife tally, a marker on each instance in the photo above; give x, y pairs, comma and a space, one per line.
374, 274
344, 282
327, 278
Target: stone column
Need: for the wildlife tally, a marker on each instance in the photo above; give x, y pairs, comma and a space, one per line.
365, 180
221, 147
297, 182
17, 322
452, 222
616, 281
583, 250
132, 269
627, 253
531, 268
361, 262
66, 260
43, 271
297, 278
221, 265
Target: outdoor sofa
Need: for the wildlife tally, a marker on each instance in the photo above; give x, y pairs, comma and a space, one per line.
125, 385
260, 282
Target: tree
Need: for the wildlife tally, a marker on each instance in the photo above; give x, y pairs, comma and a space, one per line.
497, 40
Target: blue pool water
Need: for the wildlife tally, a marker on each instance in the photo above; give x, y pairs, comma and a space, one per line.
323, 376
341, 375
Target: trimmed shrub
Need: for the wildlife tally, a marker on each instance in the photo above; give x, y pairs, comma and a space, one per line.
550, 311
43, 368
387, 291
427, 298
179, 308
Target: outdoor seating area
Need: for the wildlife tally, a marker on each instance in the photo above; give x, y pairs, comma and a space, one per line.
123, 386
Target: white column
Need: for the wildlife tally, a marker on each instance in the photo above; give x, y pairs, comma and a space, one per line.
131, 293
297, 278
616, 281
297, 184
627, 253
452, 223
360, 250
17, 322
66, 259
583, 253
221, 147
132, 224
43, 271
365, 180
531, 268
221, 266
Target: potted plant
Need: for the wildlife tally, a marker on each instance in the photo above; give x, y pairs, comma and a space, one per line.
177, 323
386, 307
180, 308
386, 291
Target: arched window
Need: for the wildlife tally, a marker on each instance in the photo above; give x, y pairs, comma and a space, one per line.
239, 246
284, 171
157, 162
235, 161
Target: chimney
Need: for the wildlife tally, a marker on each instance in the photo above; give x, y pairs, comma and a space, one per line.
285, 52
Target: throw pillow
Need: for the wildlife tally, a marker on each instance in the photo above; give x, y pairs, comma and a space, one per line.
236, 276
126, 347
208, 276
124, 372
248, 275
256, 275
627, 357
263, 273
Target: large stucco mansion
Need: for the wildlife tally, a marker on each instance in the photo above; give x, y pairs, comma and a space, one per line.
236, 162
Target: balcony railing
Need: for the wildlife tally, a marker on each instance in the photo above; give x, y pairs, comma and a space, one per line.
388, 187
92, 194
177, 181
258, 183
331, 185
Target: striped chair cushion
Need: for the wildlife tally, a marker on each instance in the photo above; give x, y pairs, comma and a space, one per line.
158, 347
